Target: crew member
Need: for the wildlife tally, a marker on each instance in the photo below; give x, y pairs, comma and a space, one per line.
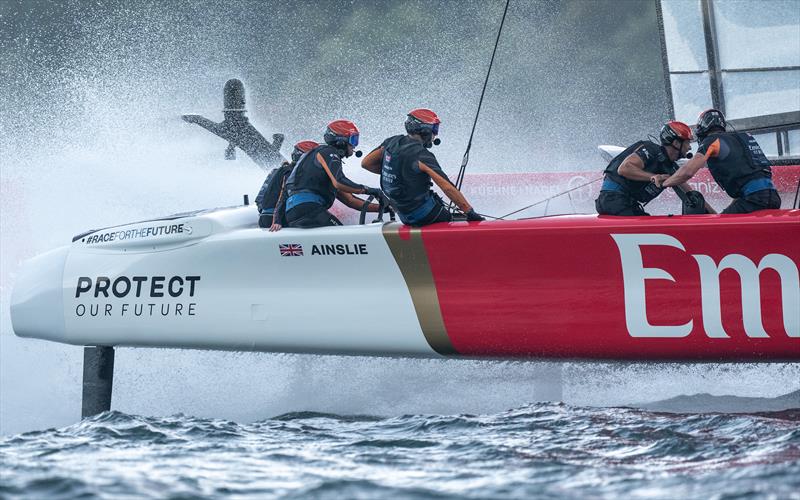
270, 193
318, 179
736, 162
633, 177
408, 170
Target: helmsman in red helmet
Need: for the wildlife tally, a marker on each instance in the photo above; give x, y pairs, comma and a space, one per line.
318, 180
634, 176
408, 170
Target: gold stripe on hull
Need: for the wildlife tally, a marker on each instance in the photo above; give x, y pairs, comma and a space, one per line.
413, 262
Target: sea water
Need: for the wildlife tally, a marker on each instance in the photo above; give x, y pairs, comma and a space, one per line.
538, 450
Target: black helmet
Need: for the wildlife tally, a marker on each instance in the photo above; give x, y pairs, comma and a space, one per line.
709, 119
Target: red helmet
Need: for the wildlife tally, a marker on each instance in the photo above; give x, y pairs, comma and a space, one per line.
302, 148
422, 121
675, 131
340, 133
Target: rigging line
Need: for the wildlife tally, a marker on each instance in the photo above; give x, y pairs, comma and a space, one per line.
465, 160
491, 216
554, 196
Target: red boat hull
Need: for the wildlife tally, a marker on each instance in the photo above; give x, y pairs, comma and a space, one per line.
618, 288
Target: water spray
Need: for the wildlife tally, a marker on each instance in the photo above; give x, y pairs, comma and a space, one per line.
465, 159
239, 132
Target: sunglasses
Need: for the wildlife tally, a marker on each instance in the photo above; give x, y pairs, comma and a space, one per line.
353, 140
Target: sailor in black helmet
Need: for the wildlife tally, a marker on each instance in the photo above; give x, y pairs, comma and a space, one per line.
269, 197
735, 161
408, 170
318, 179
634, 176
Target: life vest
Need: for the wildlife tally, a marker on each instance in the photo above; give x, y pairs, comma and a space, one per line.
271, 189
401, 178
309, 176
657, 163
744, 162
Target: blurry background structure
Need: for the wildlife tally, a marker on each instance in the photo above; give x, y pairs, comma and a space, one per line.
739, 56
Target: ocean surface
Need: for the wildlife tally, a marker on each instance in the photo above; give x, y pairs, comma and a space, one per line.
541, 450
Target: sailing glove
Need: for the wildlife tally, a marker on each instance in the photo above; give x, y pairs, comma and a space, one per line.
473, 216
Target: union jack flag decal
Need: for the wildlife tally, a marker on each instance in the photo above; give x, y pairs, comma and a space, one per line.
291, 249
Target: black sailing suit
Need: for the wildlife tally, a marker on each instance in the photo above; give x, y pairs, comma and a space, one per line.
407, 186
622, 196
270, 193
309, 190
737, 163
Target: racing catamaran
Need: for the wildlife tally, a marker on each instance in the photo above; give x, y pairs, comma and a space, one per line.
678, 288
704, 287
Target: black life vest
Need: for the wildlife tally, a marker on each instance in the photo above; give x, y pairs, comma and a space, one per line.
744, 162
310, 176
658, 163
401, 179
271, 189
